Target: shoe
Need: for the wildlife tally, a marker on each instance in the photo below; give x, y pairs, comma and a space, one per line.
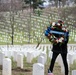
49, 72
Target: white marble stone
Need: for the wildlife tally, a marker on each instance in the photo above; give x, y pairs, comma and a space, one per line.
44, 55
71, 57
2, 56
6, 70
9, 53
15, 55
20, 60
50, 54
41, 60
29, 57
38, 69
73, 72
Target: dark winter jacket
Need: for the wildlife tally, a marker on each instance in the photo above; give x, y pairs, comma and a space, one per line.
60, 48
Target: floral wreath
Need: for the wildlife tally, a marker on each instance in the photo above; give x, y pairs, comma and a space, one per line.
52, 38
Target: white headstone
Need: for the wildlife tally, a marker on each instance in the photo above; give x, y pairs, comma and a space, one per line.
29, 57
50, 54
6, 66
45, 49
9, 54
2, 56
71, 58
73, 72
38, 69
44, 55
15, 55
41, 60
20, 60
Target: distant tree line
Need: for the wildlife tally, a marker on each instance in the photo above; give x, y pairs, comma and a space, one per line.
57, 3
34, 3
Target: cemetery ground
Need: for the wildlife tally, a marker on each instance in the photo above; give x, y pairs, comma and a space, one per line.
28, 68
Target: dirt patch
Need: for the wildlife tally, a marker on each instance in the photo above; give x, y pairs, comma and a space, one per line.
21, 70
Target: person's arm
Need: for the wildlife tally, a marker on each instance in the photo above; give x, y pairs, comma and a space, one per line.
67, 38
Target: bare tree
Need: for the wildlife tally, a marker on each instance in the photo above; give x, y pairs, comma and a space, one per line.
63, 2
11, 6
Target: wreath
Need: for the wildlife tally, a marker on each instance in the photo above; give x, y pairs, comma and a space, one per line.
62, 31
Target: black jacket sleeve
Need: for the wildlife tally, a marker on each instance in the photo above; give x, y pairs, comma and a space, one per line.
67, 38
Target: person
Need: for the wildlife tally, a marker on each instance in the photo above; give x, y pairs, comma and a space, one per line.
59, 48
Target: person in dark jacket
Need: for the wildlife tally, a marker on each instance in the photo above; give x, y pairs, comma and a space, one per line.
59, 48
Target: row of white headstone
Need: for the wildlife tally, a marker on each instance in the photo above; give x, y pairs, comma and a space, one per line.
71, 54
41, 59
32, 39
18, 57
38, 68
7, 64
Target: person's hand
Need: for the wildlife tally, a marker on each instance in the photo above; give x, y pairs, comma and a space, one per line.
48, 35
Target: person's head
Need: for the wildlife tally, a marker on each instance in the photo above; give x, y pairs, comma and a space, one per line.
58, 25
60, 22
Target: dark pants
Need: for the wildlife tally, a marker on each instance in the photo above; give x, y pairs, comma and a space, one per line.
64, 58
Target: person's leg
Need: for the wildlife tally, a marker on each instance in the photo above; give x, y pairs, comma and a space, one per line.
64, 57
54, 56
